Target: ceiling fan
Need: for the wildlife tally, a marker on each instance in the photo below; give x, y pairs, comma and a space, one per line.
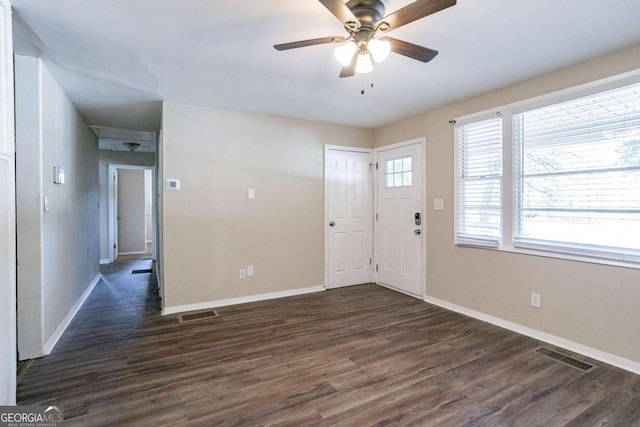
364, 20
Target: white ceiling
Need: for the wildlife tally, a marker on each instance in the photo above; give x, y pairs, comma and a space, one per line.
116, 59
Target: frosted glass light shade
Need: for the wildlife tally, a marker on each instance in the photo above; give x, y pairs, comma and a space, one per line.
379, 49
344, 54
364, 64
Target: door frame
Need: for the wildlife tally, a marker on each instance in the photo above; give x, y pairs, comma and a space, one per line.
112, 202
418, 141
327, 148
8, 287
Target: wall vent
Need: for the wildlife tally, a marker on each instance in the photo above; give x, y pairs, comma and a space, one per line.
567, 360
201, 315
146, 270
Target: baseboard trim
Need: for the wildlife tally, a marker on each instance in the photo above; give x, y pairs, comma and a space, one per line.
409, 294
593, 353
105, 261
53, 340
241, 300
132, 253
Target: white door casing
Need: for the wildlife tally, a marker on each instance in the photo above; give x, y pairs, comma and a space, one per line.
400, 238
349, 216
7, 213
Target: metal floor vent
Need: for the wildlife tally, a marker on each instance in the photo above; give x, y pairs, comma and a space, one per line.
146, 270
201, 315
567, 360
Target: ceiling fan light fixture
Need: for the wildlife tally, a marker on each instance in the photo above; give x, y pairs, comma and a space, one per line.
344, 54
379, 49
132, 146
364, 64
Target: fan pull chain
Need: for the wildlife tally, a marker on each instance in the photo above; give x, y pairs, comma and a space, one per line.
362, 90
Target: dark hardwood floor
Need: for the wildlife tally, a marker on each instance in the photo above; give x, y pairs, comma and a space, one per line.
356, 356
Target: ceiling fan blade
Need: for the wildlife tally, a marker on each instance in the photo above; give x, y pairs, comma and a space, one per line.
350, 70
340, 11
416, 10
311, 42
411, 50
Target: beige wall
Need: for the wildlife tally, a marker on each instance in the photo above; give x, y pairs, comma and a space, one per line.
590, 304
210, 229
61, 245
107, 158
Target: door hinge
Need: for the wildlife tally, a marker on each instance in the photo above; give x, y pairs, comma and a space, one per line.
376, 165
376, 216
370, 166
369, 261
376, 267
114, 246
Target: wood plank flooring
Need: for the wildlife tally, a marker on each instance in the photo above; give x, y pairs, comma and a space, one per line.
357, 356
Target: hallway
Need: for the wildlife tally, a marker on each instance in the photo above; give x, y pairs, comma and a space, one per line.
105, 333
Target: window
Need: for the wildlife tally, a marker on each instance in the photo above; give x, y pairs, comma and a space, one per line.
479, 201
577, 174
565, 180
398, 172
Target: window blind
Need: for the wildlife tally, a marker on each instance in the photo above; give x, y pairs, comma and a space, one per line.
577, 175
479, 183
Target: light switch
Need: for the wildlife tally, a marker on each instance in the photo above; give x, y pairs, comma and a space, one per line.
249, 270
251, 193
438, 204
46, 204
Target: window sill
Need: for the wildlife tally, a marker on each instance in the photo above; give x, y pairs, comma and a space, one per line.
555, 255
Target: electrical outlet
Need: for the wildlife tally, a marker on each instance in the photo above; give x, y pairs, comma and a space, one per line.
535, 300
243, 273
249, 270
438, 204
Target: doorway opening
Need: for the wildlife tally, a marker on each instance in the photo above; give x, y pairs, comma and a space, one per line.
132, 212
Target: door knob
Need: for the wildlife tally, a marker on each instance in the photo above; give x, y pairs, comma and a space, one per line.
332, 223
418, 232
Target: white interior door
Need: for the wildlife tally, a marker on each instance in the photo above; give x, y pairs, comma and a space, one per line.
400, 218
349, 217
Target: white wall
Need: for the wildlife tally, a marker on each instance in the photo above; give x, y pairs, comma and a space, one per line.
107, 158
68, 237
7, 215
210, 229
29, 207
131, 211
589, 304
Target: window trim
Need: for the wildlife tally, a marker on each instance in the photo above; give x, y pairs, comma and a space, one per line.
579, 253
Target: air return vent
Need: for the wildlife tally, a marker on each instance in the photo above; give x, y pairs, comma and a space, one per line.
201, 315
146, 270
567, 360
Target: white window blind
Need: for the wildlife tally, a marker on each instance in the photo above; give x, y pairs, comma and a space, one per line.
479, 183
577, 175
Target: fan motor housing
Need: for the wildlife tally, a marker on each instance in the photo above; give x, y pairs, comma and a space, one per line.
368, 12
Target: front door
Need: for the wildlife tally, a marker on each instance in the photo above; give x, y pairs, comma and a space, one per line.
349, 217
400, 218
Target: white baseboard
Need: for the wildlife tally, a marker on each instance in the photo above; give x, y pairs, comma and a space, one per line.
611, 359
105, 261
241, 300
53, 340
132, 253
